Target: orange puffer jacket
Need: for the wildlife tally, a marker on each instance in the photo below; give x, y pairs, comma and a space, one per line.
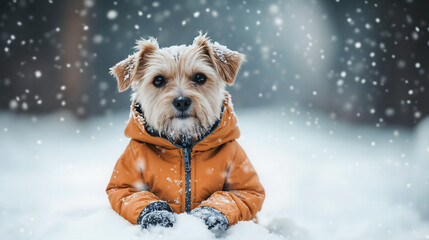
214, 172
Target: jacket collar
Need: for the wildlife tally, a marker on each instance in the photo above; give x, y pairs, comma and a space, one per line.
187, 142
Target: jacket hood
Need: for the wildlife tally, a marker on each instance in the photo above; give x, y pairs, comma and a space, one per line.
225, 131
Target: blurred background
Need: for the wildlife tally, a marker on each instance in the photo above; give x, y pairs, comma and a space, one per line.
333, 105
362, 61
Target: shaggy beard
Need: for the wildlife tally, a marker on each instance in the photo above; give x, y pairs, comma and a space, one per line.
176, 130
184, 130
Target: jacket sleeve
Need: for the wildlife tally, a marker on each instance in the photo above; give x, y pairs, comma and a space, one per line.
242, 195
126, 189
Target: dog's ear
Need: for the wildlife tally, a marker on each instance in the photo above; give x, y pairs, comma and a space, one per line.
125, 71
226, 62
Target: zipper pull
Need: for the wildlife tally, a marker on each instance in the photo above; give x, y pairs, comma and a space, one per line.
187, 156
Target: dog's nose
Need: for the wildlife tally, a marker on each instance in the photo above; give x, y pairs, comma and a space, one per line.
182, 103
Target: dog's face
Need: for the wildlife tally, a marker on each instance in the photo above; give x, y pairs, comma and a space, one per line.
181, 88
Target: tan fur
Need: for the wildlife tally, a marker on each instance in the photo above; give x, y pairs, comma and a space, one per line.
125, 71
226, 62
178, 64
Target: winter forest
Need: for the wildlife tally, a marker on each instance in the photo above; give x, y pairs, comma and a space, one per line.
332, 102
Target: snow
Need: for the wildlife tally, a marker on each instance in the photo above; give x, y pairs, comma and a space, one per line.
417, 65
38, 74
112, 14
323, 179
222, 52
358, 45
175, 50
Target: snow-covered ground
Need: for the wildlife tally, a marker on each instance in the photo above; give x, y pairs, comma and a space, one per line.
323, 180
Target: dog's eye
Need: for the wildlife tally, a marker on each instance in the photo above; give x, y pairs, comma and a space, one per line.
159, 81
199, 78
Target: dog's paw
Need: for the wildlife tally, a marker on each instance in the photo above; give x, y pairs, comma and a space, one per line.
157, 214
215, 220
158, 218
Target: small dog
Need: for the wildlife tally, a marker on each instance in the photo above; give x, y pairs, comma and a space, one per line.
183, 155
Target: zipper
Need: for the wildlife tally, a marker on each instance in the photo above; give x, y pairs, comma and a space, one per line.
187, 150
187, 160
